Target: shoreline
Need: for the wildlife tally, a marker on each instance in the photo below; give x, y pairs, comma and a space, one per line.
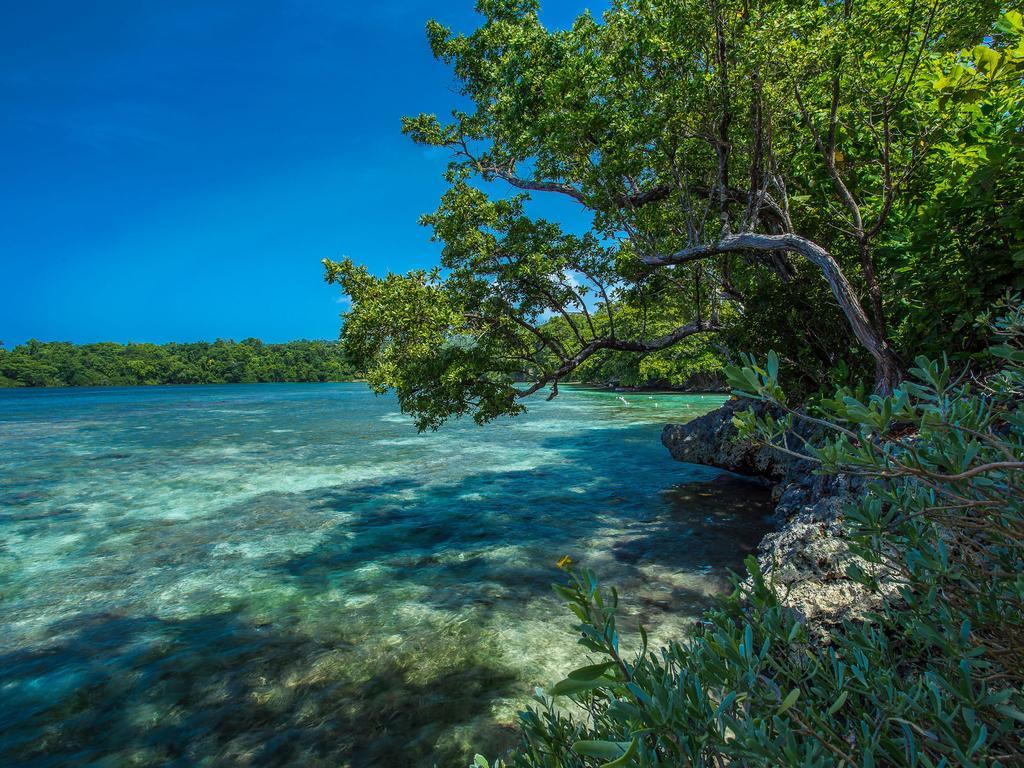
806, 555
651, 390
28, 387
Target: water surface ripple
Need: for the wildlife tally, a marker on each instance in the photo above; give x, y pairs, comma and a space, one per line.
290, 575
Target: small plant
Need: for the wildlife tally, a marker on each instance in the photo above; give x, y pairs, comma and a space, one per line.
932, 678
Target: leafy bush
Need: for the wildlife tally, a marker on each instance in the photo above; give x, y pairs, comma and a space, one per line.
932, 678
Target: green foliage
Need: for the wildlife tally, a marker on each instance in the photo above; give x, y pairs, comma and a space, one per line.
410, 333
814, 346
886, 132
61, 364
931, 678
960, 243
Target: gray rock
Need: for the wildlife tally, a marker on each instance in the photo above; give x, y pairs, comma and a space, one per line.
807, 556
630, 552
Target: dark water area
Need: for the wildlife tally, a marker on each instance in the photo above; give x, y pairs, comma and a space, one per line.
265, 575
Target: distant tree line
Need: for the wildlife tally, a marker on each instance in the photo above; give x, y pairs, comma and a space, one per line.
62, 364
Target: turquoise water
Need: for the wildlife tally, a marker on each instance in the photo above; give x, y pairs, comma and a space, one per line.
291, 575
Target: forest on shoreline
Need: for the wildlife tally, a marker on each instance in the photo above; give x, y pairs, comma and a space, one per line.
251, 361
63, 364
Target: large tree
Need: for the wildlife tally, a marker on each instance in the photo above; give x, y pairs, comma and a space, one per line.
711, 143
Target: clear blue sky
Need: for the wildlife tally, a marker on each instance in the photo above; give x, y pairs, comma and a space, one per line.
174, 170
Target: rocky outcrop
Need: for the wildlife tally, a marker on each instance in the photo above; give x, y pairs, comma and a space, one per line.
806, 555
711, 439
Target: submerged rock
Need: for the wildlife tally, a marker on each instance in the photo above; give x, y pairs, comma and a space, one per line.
630, 552
807, 555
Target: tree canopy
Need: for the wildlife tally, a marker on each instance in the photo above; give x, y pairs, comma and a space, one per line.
62, 364
765, 173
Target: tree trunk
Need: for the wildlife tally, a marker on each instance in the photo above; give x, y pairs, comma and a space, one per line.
888, 368
874, 289
888, 372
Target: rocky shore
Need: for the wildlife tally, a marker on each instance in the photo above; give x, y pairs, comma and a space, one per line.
806, 555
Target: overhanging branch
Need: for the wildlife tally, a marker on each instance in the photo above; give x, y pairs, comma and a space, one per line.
886, 361
620, 345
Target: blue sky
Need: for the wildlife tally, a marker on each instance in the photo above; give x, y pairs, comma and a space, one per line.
174, 170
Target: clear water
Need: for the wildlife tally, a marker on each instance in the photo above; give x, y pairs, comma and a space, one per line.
290, 575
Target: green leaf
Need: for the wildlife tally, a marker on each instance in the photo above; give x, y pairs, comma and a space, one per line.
1011, 712
986, 59
564, 592
838, 703
1011, 23
1008, 353
626, 756
591, 672
568, 687
623, 710
789, 701
604, 750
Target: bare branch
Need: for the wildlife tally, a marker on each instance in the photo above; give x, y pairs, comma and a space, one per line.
886, 361
598, 345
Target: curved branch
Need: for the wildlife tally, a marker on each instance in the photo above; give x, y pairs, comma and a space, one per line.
639, 199
541, 186
598, 345
888, 368
651, 195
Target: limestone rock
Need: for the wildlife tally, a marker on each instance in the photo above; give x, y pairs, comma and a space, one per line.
807, 556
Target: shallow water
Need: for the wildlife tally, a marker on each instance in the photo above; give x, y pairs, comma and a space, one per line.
288, 574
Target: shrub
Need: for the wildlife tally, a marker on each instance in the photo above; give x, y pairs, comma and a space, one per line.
932, 678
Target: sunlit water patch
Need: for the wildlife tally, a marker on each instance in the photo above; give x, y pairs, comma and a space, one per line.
290, 575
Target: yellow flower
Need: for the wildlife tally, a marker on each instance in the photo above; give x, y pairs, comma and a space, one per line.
565, 563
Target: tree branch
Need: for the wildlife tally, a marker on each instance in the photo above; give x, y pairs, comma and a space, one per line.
887, 365
598, 345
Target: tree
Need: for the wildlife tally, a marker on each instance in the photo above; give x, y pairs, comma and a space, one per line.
963, 241
708, 141
61, 364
